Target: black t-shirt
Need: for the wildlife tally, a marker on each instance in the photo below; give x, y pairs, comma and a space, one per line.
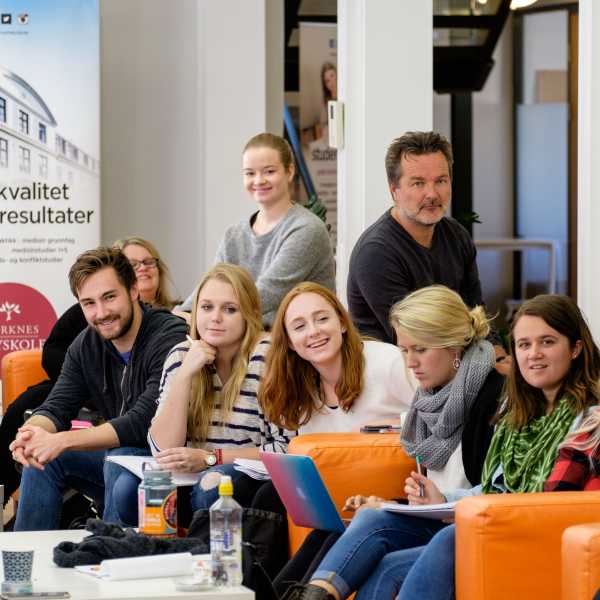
387, 264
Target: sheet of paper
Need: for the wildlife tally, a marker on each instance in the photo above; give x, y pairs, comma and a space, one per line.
253, 468
427, 511
134, 464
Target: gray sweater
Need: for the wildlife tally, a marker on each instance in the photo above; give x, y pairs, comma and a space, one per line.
297, 249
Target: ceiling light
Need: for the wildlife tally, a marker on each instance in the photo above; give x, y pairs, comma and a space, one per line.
521, 3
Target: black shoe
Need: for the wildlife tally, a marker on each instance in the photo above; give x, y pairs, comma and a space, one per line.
307, 591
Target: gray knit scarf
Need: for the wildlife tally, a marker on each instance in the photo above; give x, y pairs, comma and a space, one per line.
434, 424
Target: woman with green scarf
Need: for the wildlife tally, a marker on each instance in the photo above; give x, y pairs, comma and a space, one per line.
553, 383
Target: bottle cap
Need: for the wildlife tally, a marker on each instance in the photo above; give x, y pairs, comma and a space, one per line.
225, 487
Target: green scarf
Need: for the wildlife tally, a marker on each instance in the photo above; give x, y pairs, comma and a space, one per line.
527, 455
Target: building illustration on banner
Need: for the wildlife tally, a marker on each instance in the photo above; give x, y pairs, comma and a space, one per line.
31, 147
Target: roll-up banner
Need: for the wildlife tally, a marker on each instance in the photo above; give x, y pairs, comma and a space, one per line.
318, 84
49, 159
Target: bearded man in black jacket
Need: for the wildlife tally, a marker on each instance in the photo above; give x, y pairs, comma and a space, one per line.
114, 366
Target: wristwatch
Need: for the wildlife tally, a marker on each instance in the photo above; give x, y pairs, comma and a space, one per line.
211, 459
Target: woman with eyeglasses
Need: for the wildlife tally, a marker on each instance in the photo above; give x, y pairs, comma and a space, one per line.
151, 271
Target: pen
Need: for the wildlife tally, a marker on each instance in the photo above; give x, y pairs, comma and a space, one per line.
421, 486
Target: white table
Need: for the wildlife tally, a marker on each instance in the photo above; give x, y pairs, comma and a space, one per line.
48, 577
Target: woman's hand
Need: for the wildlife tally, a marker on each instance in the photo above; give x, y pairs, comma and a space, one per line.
357, 502
199, 355
182, 460
431, 494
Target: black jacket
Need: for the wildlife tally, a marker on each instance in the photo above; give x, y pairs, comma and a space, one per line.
94, 374
478, 430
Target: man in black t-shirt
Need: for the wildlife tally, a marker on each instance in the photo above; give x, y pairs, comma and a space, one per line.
413, 244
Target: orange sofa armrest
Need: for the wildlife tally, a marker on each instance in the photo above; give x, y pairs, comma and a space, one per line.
509, 545
353, 463
19, 370
580, 561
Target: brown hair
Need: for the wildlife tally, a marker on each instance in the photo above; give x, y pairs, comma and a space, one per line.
163, 296
275, 142
580, 386
90, 262
202, 400
415, 143
289, 392
327, 66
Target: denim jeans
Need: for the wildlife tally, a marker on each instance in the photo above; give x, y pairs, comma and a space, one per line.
126, 485
388, 577
41, 493
432, 575
371, 535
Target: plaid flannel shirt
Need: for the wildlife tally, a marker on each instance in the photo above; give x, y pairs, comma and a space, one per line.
574, 470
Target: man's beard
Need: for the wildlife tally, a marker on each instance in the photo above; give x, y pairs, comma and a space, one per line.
123, 330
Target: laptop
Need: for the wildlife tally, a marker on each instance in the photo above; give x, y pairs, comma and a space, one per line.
302, 491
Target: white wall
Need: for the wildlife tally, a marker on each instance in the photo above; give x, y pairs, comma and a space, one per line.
149, 130
545, 46
182, 91
588, 217
385, 69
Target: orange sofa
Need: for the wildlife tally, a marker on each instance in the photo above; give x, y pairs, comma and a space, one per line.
509, 545
19, 370
580, 576
354, 463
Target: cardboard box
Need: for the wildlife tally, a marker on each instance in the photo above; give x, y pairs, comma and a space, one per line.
551, 86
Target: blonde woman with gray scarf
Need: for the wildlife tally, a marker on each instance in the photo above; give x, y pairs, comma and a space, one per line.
448, 427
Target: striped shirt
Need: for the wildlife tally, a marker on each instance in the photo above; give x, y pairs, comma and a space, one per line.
246, 425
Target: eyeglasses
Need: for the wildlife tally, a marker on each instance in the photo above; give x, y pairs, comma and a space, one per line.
147, 262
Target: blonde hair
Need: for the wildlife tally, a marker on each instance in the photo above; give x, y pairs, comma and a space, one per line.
202, 401
437, 317
163, 297
290, 388
590, 428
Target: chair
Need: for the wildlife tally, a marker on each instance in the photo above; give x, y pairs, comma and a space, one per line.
509, 545
19, 370
353, 463
580, 561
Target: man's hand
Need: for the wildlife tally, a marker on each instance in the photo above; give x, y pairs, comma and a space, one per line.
17, 447
37, 446
183, 460
431, 494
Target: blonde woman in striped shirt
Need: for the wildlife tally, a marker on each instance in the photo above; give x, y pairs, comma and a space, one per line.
208, 414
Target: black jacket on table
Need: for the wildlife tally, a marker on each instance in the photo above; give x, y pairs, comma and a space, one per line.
94, 374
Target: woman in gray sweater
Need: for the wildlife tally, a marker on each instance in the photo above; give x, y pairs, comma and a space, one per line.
283, 243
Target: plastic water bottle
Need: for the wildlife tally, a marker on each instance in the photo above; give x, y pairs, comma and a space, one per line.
226, 537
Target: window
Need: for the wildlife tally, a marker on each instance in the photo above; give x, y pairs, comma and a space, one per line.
42, 133
2, 109
24, 160
61, 145
43, 166
3, 152
23, 122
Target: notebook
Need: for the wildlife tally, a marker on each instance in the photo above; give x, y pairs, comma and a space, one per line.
302, 491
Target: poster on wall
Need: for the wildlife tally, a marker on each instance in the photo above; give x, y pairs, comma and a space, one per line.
49, 159
318, 85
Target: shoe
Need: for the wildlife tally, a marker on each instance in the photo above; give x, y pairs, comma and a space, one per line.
307, 591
